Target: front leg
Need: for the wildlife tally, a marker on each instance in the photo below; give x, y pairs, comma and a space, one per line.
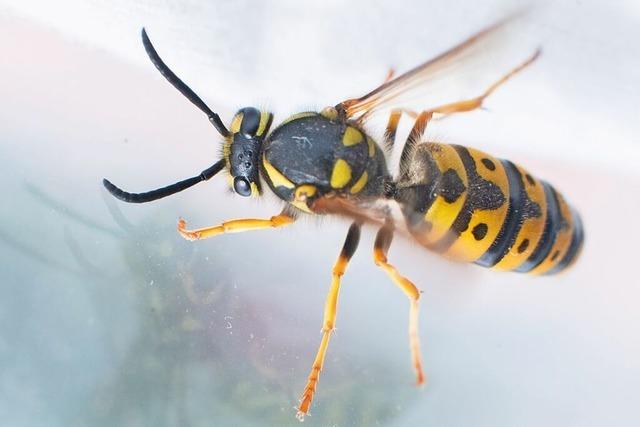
235, 226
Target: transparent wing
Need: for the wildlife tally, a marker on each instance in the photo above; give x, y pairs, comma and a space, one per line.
373, 213
463, 72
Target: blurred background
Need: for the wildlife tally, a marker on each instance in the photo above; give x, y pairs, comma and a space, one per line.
108, 317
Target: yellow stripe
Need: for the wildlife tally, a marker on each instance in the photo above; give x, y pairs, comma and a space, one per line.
341, 174
264, 119
276, 177
442, 214
467, 248
299, 116
360, 183
372, 147
562, 242
226, 149
235, 123
254, 190
531, 230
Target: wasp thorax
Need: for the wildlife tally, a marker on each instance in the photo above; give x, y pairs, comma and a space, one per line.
248, 129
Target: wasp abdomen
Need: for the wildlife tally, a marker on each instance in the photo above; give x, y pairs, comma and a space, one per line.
473, 207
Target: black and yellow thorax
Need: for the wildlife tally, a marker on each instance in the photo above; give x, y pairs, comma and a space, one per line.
313, 155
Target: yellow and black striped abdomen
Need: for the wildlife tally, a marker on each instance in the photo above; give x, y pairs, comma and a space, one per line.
470, 206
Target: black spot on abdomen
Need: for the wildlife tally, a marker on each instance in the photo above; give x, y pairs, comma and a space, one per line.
577, 240
521, 208
488, 164
551, 229
481, 195
451, 186
523, 246
480, 231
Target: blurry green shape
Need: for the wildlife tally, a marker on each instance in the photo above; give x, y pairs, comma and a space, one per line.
201, 351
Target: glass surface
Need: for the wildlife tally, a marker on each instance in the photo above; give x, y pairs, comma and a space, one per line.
108, 317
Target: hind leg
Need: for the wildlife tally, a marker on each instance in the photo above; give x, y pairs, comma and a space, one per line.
383, 241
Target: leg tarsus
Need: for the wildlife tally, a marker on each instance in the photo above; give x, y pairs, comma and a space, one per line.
233, 226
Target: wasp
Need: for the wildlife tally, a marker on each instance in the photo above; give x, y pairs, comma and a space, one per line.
457, 201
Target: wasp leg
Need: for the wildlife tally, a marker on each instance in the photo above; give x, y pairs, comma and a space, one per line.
390, 132
383, 241
328, 323
390, 75
234, 226
475, 103
415, 136
467, 104
456, 107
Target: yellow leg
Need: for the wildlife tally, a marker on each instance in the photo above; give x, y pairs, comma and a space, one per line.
414, 138
454, 107
390, 131
459, 106
475, 103
329, 321
234, 226
383, 241
419, 126
390, 75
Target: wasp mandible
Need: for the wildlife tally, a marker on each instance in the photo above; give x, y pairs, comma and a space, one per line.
457, 201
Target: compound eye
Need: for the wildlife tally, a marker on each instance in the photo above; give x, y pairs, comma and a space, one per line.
242, 186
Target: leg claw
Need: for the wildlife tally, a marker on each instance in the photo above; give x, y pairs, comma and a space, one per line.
187, 234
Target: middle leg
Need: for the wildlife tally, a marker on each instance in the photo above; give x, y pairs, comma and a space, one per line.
445, 110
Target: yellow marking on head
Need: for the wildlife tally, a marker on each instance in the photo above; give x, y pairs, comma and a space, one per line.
352, 136
303, 192
264, 119
299, 116
360, 183
276, 177
254, 190
329, 113
235, 123
372, 146
226, 149
341, 174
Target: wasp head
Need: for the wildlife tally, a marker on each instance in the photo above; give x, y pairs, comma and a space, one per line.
248, 130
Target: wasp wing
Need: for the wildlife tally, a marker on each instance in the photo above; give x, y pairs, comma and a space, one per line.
462, 72
376, 213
